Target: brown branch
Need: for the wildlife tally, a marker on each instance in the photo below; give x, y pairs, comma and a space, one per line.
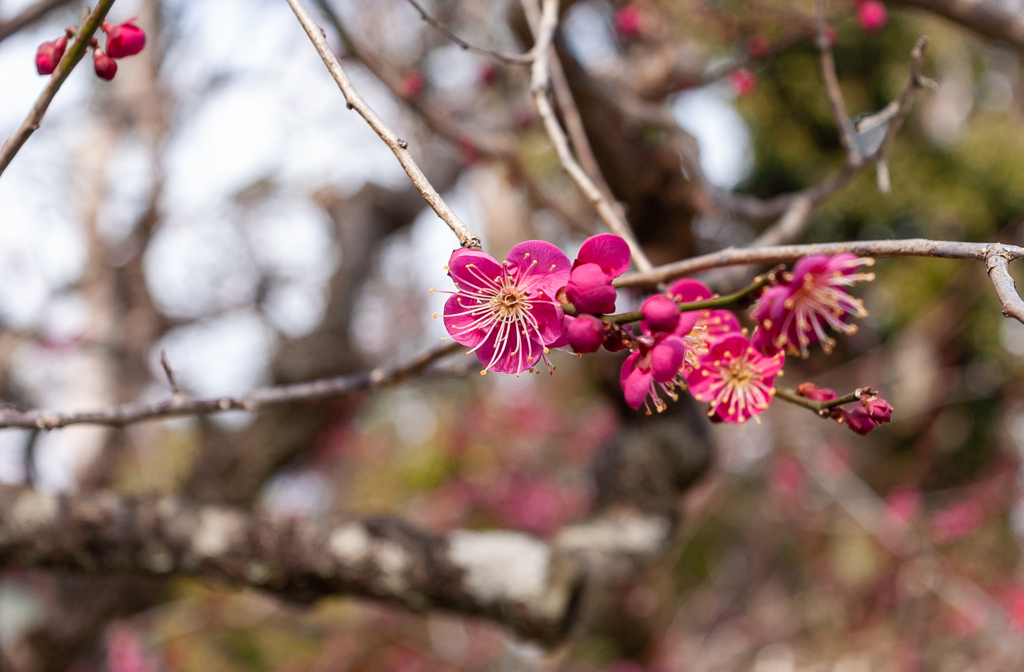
544, 23
756, 209
400, 147
72, 55
995, 255
999, 19
181, 405
531, 586
515, 59
30, 15
835, 93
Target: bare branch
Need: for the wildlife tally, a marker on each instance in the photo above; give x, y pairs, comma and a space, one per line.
524, 59
180, 405
72, 55
998, 261
382, 558
32, 14
835, 93
400, 147
544, 31
1000, 19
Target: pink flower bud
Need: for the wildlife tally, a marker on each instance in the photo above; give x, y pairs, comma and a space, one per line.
586, 334
660, 313
105, 66
758, 46
858, 421
815, 393
872, 16
590, 289
49, 54
489, 74
125, 39
878, 409
628, 22
743, 81
412, 85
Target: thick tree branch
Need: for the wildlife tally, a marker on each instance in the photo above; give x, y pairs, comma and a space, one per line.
529, 585
400, 147
181, 405
72, 55
32, 14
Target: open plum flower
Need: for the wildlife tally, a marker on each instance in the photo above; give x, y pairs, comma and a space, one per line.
793, 315
711, 324
507, 313
736, 379
602, 258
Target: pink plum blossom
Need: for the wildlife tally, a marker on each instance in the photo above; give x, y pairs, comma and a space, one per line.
125, 39
736, 379
711, 324
629, 21
657, 362
507, 313
49, 54
794, 315
602, 258
660, 313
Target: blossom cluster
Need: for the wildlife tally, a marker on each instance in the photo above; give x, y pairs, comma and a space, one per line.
124, 39
512, 314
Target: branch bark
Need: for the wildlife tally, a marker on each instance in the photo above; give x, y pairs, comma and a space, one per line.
400, 147
32, 14
181, 405
531, 586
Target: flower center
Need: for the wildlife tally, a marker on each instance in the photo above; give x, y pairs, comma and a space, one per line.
508, 303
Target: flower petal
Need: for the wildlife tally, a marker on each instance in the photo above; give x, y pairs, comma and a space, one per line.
464, 327
514, 353
667, 359
590, 290
608, 251
636, 383
689, 290
474, 271
538, 266
550, 320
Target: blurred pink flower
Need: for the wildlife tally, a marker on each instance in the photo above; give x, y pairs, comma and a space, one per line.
787, 476
629, 21
872, 16
793, 315
743, 81
957, 521
506, 313
758, 46
904, 504
737, 380
126, 652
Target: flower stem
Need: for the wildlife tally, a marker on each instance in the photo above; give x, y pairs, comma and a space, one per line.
819, 406
718, 302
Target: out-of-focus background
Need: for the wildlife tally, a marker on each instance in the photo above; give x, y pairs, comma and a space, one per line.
217, 201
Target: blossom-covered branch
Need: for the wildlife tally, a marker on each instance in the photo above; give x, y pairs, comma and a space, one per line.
182, 405
400, 147
71, 57
537, 595
996, 255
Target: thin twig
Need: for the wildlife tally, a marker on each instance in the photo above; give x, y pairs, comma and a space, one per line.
72, 55
400, 147
818, 406
545, 25
30, 15
172, 380
835, 93
524, 59
180, 405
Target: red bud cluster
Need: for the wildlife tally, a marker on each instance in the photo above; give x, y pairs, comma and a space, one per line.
125, 39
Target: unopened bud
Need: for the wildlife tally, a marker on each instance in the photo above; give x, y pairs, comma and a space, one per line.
872, 16
105, 66
125, 39
660, 313
586, 334
49, 54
